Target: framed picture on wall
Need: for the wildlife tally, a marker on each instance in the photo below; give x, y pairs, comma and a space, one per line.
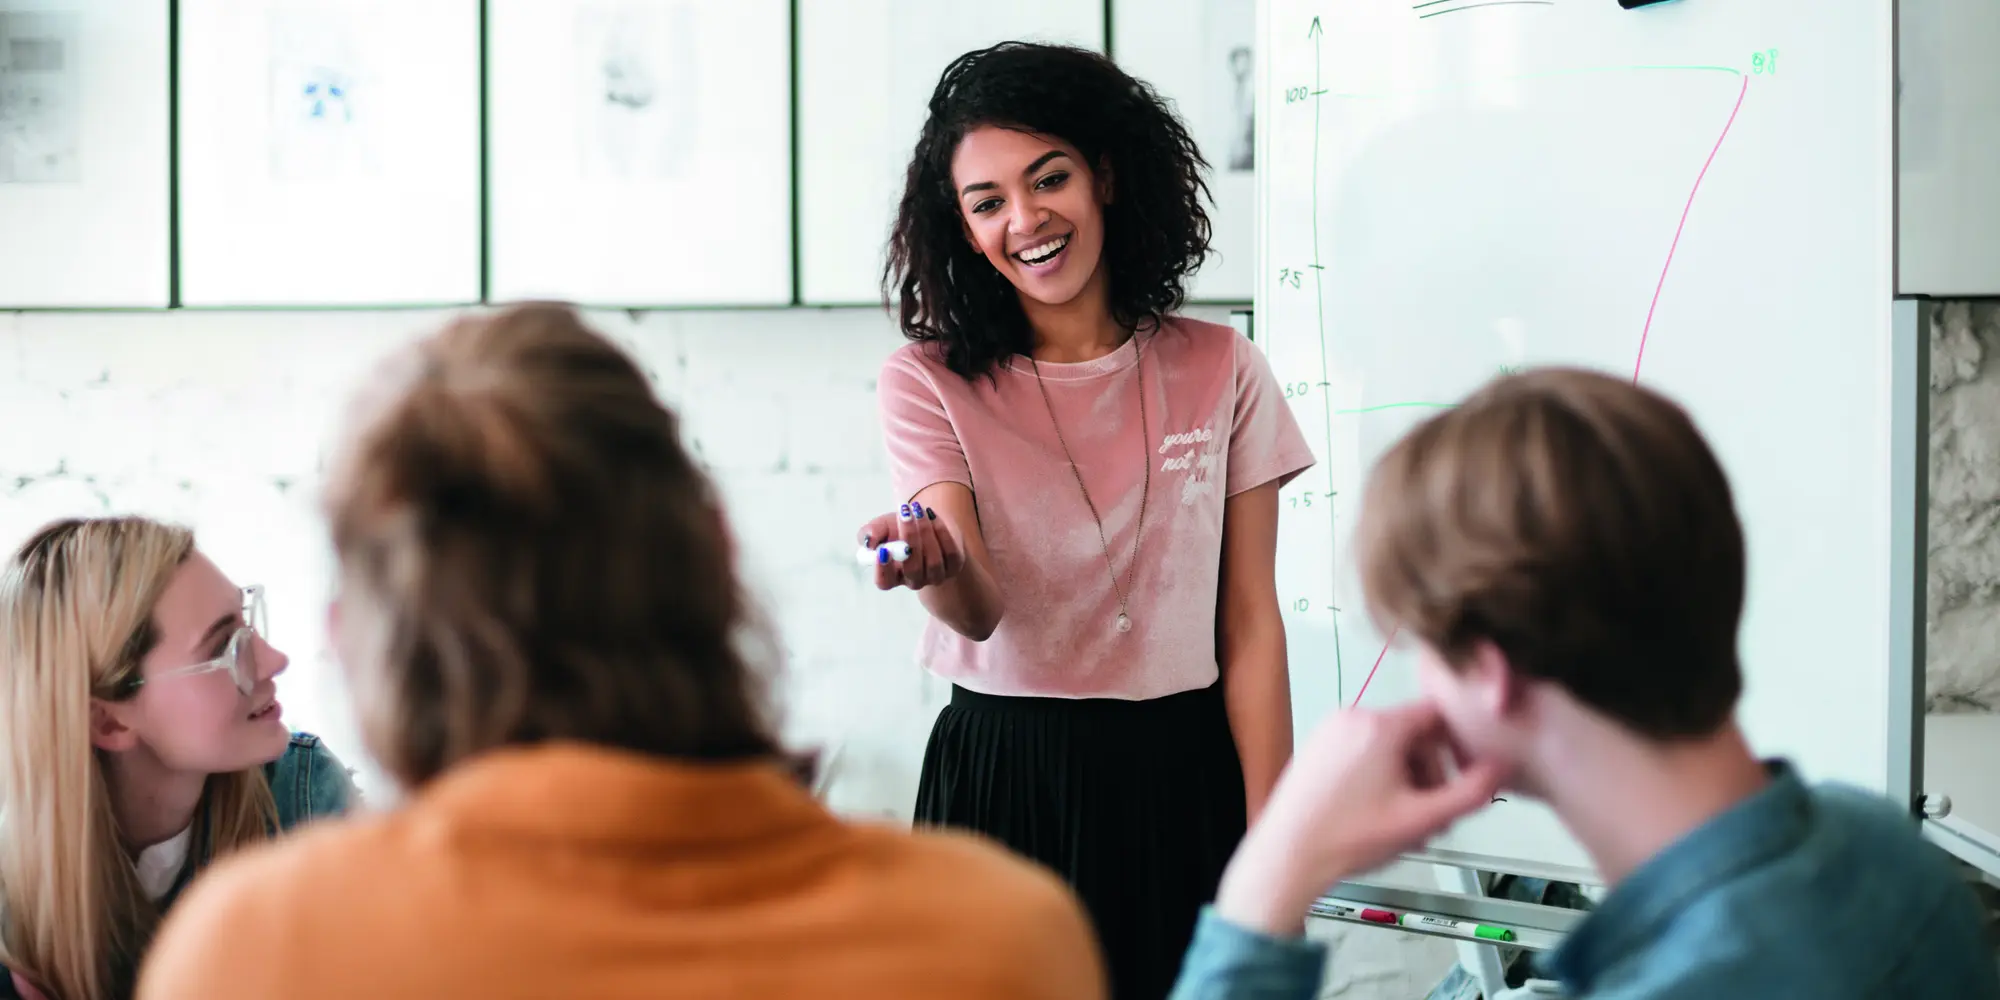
84, 196
640, 151
866, 72
329, 152
1206, 65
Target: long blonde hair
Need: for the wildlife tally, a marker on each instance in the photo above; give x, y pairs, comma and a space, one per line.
76, 618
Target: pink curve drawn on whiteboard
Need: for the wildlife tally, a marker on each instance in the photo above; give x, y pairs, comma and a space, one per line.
1682, 227
1644, 332
1371, 670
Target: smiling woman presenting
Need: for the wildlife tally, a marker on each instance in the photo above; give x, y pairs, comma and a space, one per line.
1092, 496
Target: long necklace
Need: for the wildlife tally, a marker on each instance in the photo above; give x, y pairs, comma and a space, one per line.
1124, 621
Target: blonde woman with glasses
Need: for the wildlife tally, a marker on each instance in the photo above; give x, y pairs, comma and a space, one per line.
140, 739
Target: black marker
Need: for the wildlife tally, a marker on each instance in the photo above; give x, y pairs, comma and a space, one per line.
1630, 4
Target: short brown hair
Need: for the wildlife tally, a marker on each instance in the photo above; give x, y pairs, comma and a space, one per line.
1580, 524
536, 555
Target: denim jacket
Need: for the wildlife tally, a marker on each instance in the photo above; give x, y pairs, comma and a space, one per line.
308, 782
1828, 893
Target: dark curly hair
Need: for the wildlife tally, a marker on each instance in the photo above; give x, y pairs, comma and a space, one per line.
1155, 231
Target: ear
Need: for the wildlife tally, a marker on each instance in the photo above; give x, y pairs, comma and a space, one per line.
1494, 684
1104, 179
108, 727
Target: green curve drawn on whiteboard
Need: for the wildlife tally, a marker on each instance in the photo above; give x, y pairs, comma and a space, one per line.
1544, 75
1396, 406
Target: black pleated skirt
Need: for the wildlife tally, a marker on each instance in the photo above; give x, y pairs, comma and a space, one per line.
1136, 804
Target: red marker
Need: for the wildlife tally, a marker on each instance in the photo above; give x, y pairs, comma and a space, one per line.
1353, 911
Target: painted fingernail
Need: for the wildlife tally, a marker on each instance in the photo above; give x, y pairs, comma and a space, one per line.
882, 556
932, 513
917, 509
904, 514
867, 541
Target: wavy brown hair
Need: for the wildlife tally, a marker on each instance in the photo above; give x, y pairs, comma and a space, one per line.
527, 553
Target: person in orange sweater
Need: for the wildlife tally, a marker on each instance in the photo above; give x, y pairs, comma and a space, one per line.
541, 626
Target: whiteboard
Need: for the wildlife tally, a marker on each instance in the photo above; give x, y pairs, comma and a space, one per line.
640, 151
83, 153
1948, 139
1697, 194
1206, 66
866, 72
329, 152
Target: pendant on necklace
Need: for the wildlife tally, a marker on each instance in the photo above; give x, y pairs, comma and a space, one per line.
1124, 622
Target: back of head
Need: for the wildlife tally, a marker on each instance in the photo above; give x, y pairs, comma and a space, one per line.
528, 554
1580, 524
76, 618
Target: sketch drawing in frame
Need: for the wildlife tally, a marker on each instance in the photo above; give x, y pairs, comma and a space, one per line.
321, 126
41, 98
637, 90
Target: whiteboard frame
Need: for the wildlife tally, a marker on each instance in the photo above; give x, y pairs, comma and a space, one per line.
1956, 833
1915, 313
1909, 541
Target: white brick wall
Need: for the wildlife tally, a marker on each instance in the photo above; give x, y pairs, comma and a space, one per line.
221, 420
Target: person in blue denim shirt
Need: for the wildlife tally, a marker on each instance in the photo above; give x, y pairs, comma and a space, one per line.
140, 738
1564, 555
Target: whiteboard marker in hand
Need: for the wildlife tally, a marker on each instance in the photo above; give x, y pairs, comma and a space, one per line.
885, 552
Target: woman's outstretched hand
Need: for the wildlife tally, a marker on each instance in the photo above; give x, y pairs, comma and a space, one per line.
934, 557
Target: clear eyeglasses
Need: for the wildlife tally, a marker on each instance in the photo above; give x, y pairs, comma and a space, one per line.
239, 657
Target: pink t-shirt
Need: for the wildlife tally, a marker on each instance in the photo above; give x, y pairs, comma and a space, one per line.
1217, 424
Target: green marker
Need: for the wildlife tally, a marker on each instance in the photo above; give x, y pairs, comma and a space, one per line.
1462, 928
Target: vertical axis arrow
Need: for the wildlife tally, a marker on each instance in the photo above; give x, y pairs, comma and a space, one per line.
1325, 383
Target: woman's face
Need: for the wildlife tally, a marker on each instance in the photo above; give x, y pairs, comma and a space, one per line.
1034, 209
202, 722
